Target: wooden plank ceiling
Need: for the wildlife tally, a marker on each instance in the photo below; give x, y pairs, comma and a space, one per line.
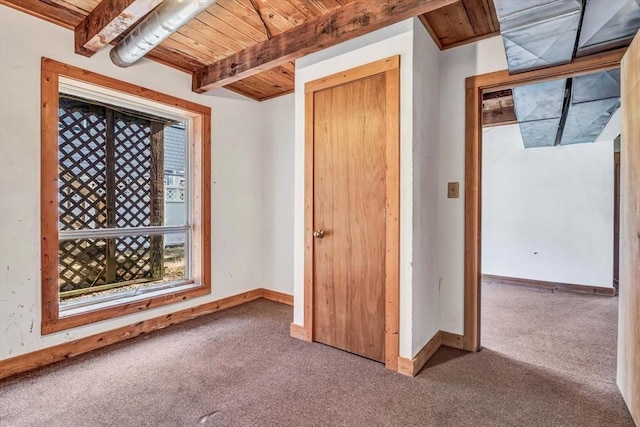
231, 26
462, 22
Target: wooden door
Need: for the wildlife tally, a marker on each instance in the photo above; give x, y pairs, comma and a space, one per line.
629, 316
349, 208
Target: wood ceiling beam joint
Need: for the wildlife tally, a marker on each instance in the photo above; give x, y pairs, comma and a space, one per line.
264, 23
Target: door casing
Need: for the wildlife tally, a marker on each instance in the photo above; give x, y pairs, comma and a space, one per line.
391, 68
473, 167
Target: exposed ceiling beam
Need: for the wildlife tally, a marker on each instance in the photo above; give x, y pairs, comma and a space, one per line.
108, 20
498, 109
345, 23
69, 19
499, 117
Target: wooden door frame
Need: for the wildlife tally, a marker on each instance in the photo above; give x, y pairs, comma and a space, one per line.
391, 68
616, 219
473, 167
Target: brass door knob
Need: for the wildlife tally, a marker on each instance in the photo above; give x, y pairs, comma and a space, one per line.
318, 234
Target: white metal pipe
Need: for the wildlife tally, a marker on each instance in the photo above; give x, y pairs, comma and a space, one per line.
159, 24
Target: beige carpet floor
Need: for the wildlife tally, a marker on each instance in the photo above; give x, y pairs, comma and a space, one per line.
548, 361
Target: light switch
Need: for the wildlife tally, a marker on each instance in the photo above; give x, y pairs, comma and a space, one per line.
453, 190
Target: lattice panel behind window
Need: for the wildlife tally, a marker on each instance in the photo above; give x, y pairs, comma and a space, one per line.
132, 190
104, 181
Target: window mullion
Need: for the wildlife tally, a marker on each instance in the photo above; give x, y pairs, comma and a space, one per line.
106, 233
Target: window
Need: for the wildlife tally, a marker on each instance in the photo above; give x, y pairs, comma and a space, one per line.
125, 198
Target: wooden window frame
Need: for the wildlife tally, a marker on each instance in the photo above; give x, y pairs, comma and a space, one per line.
475, 86
51, 71
391, 68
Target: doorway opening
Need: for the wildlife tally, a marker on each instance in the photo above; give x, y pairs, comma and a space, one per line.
475, 88
628, 61
547, 290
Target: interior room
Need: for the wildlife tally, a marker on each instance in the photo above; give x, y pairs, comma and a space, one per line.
300, 212
548, 221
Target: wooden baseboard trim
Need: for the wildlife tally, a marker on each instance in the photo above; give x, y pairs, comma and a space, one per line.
553, 286
452, 340
298, 332
411, 367
46, 356
276, 296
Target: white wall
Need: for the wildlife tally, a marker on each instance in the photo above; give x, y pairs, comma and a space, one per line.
277, 192
426, 130
455, 66
236, 194
393, 40
547, 213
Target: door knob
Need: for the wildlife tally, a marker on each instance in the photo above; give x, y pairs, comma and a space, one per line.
318, 234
